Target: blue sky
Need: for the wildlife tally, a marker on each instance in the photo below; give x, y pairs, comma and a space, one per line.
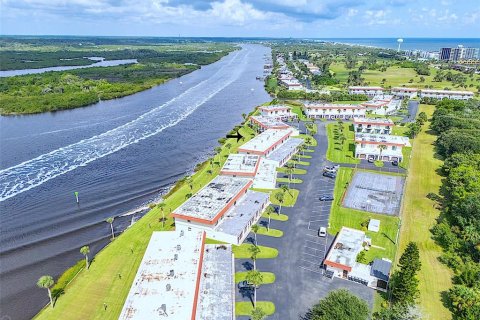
267, 18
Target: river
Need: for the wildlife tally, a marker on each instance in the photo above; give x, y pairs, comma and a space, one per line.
101, 63
118, 154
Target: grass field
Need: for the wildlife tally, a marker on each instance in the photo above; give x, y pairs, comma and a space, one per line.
244, 308
271, 232
85, 296
268, 277
242, 252
337, 151
396, 77
340, 216
275, 216
418, 217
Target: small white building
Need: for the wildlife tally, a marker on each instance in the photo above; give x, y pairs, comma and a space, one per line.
334, 111
341, 260
180, 277
402, 92
380, 146
377, 126
292, 84
225, 209
446, 94
241, 165
369, 91
277, 111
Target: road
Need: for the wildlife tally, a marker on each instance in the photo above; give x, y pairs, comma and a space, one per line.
299, 281
412, 111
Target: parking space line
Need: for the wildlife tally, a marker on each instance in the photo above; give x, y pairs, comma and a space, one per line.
313, 255
308, 269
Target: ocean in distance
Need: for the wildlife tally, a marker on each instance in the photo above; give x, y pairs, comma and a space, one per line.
426, 44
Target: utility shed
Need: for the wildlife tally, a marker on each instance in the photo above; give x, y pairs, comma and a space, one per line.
374, 225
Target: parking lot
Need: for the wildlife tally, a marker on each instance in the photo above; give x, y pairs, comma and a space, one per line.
299, 277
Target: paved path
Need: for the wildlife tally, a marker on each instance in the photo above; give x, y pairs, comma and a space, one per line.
300, 283
412, 111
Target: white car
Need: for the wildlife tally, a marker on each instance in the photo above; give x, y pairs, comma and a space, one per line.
322, 232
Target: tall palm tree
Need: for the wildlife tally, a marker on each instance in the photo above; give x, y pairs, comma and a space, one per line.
46, 282
162, 205
110, 220
85, 250
280, 197
255, 229
255, 278
286, 189
381, 147
269, 211
254, 251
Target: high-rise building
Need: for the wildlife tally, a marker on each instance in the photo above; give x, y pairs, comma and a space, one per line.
459, 53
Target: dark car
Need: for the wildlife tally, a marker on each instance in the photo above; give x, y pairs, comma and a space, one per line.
326, 197
244, 285
329, 175
395, 163
371, 159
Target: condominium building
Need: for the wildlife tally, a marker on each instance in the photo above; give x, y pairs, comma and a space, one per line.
377, 126
380, 146
265, 142
382, 105
446, 94
262, 123
334, 111
241, 165
277, 111
459, 53
225, 209
402, 92
369, 91
180, 277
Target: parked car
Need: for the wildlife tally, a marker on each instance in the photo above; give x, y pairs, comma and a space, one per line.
395, 163
326, 197
371, 159
322, 232
329, 175
332, 168
244, 285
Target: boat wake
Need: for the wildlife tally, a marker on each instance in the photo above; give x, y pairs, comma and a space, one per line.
34, 172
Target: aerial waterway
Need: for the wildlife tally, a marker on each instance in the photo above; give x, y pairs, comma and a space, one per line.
119, 155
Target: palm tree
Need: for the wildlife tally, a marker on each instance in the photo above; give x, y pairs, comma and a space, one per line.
255, 278
255, 229
218, 150
279, 196
162, 205
258, 314
286, 189
110, 220
308, 140
85, 250
46, 282
381, 147
269, 211
254, 251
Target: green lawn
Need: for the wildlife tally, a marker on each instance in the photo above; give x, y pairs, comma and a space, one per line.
271, 232
313, 142
241, 252
244, 308
379, 163
278, 217
337, 151
340, 216
418, 216
286, 180
295, 170
85, 296
268, 277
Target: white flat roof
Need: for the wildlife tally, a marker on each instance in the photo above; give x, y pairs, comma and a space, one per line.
217, 295
164, 286
285, 149
364, 88
265, 141
269, 122
405, 89
241, 164
374, 121
447, 92
274, 107
238, 216
333, 106
346, 247
207, 204
266, 176
374, 225
369, 138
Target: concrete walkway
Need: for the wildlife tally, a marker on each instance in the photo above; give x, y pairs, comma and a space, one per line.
299, 281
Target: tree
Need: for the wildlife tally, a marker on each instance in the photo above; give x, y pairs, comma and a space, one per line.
465, 302
286, 189
422, 116
269, 211
110, 220
395, 312
255, 229
254, 251
404, 282
279, 196
255, 278
258, 314
340, 304
85, 250
46, 282
161, 206
381, 147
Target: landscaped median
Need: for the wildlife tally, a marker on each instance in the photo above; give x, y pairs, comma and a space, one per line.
243, 252
245, 308
267, 277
